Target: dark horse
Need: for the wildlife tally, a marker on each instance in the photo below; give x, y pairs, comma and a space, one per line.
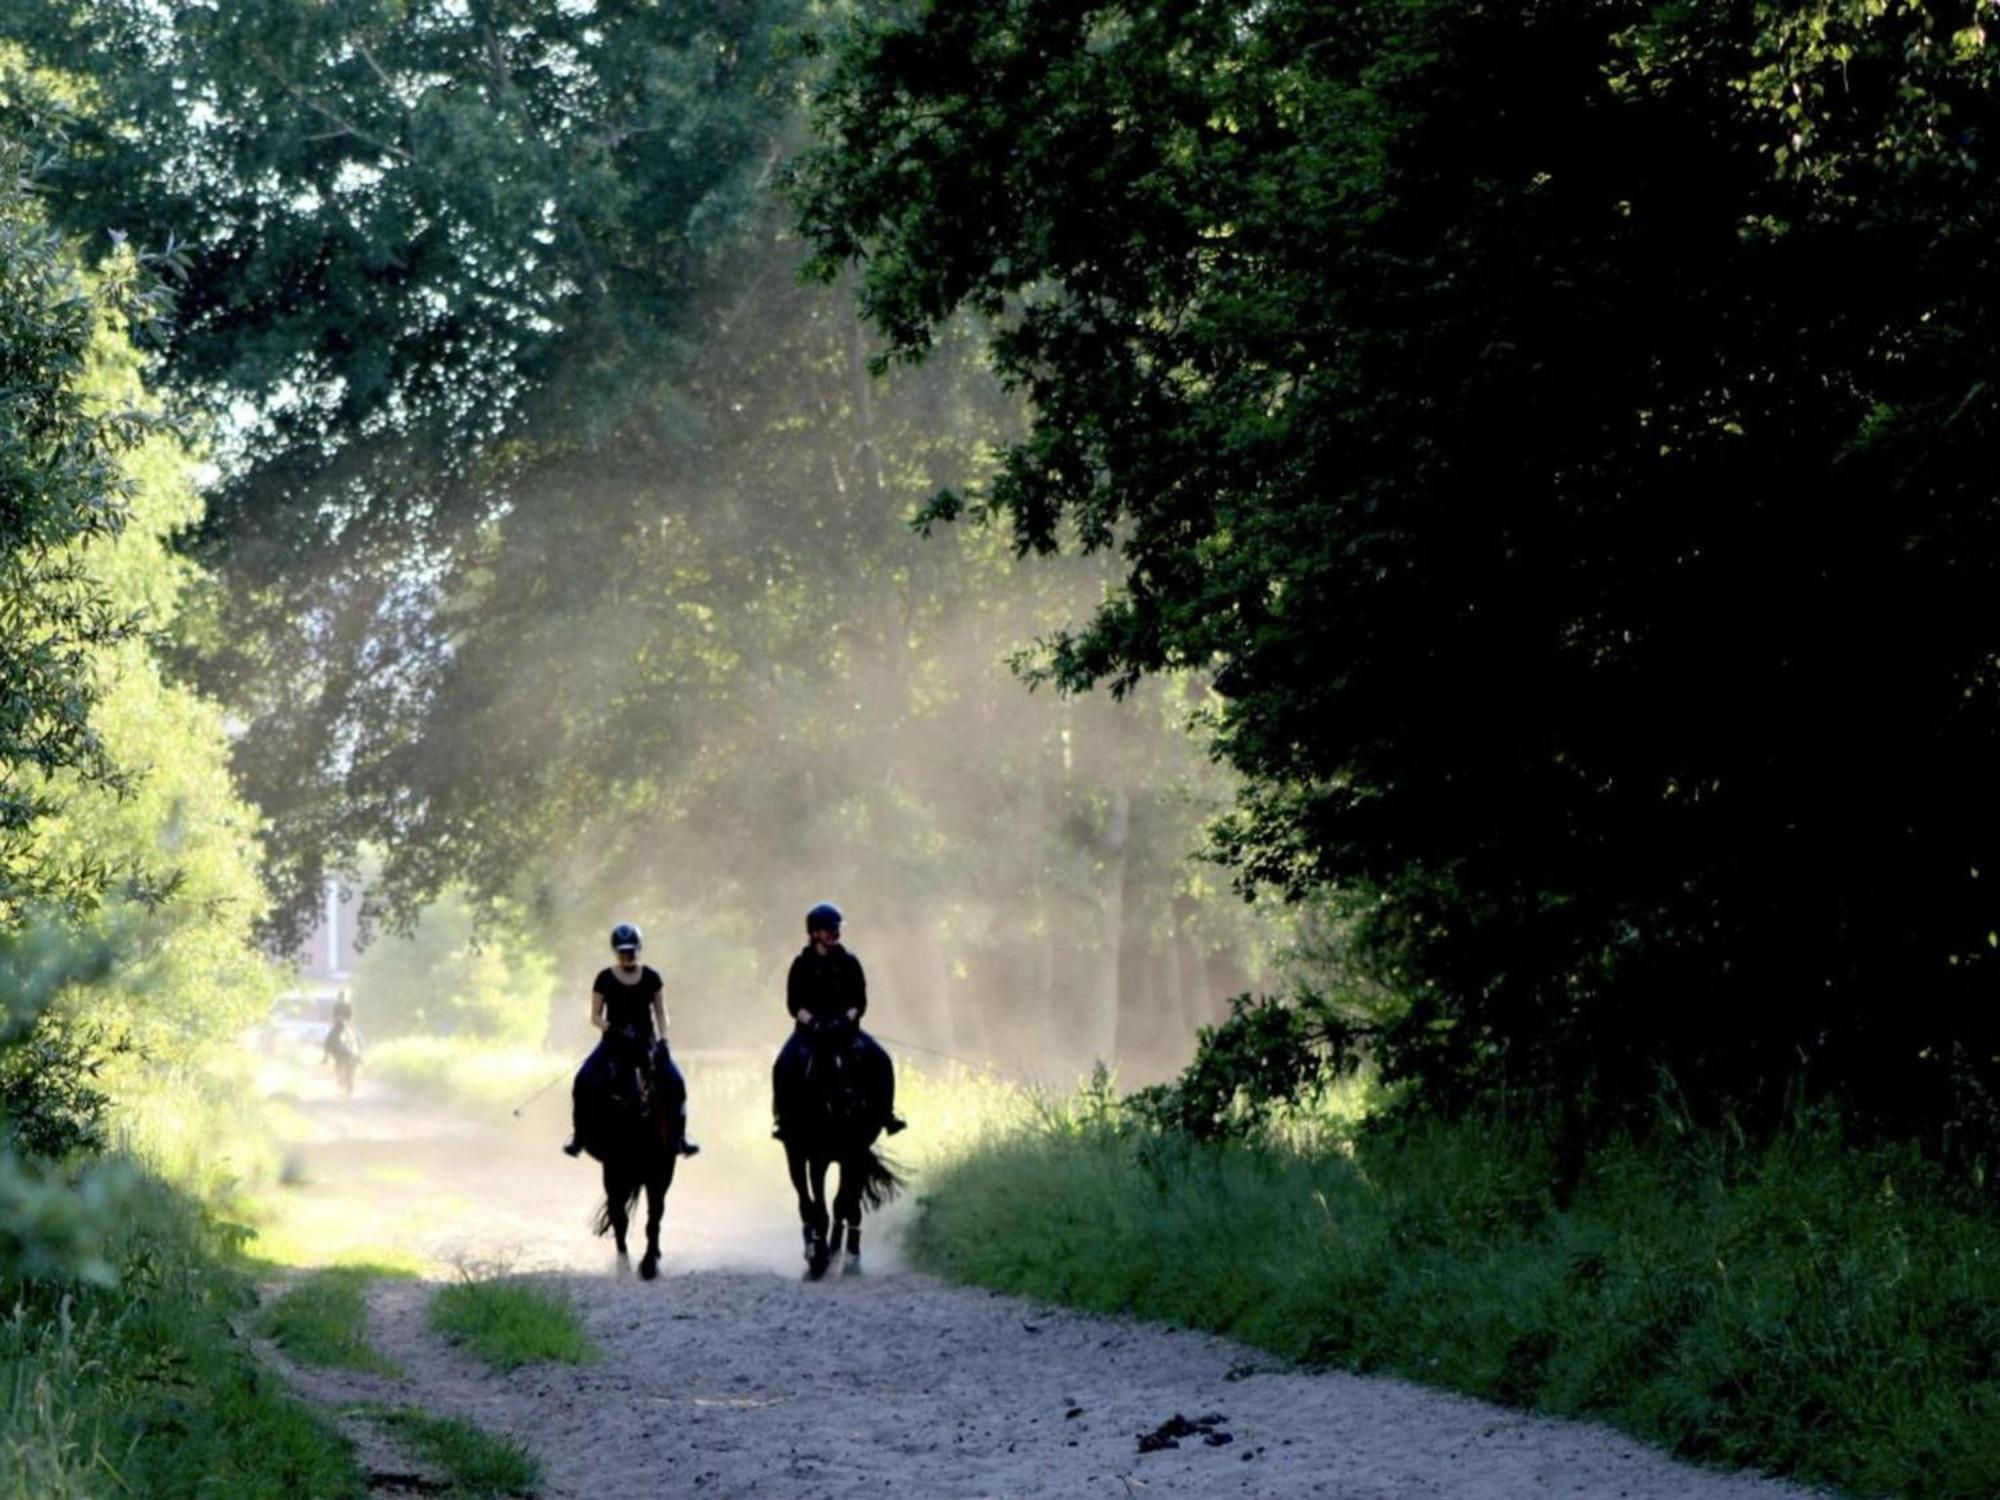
634, 1128
830, 1115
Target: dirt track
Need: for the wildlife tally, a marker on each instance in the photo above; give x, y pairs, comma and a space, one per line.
731, 1377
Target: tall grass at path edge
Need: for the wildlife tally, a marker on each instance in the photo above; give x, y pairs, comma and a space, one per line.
1816, 1311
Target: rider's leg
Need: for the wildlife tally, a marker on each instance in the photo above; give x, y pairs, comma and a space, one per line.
786, 1074
881, 1075
574, 1145
675, 1086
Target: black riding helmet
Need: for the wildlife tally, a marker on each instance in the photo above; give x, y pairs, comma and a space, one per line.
823, 918
625, 936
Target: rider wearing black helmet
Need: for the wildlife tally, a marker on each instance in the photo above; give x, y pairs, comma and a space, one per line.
826, 979
626, 1005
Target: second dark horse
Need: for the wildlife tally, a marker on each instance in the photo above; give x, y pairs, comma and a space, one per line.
831, 1115
634, 1129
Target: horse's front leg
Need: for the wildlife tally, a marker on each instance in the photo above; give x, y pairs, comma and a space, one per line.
811, 1214
615, 1195
658, 1180
811, 1180
847, 1215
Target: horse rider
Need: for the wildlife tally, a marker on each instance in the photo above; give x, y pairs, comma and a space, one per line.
626, 1005
826, 979
342, 1038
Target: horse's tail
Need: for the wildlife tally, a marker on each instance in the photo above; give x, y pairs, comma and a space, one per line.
881, 1179
601, 1224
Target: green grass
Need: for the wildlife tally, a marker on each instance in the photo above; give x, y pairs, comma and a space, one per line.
468, 1073
1826, 1313
480, 1466
142, 1389
510, 1322
324, 1320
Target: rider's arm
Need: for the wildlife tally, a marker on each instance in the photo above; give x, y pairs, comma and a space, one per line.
596, 1010
796, 991
860, 1006
660, 1014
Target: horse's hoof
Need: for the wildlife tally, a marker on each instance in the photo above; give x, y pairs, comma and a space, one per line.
649, 1268
818, 1255
851, 1266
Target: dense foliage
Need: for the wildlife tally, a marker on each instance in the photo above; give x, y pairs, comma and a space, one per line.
1789, 1304
435, 251
562, 542
60, 485
1567, 433
128, 881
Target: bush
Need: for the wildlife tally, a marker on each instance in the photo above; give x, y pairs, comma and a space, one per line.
143, 1388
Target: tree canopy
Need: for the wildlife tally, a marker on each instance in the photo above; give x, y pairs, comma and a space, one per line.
61, 485
434, 251
561, 547
1564, 431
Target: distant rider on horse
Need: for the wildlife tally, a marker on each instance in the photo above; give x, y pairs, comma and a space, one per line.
342, 1046
632, 1059
826, 980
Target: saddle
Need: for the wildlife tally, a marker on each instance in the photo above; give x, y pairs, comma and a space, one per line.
631, 1072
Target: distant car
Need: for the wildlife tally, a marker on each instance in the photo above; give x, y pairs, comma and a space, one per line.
297, 1023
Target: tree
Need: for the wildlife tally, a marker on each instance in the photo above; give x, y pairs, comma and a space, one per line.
161, 818
60, 485
1564, 431
436, 252
653, 631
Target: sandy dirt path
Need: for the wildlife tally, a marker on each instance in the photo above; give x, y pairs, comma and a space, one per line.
730, 1376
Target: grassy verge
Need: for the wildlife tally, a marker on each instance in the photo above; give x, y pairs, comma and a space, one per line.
143, 1389
324, 1320
510, 1322
479, 1465
1804, 1308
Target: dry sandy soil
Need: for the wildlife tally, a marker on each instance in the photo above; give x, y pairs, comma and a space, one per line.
730, 1376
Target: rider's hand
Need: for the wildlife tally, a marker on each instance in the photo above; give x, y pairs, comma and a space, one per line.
853, 1015
805, 1016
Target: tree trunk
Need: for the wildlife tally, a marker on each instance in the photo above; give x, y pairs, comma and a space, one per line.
1100, 1030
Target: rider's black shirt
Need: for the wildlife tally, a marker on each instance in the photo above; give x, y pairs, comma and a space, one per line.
826, 984
629, 1007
